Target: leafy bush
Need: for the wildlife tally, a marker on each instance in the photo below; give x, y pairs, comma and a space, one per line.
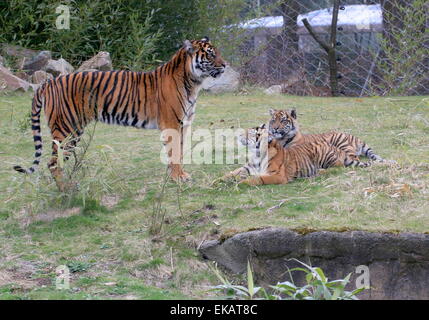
317, 288
138, 34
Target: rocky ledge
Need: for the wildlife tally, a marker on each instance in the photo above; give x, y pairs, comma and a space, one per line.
397, 263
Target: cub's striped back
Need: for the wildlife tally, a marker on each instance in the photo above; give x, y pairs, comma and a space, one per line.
285, 128
286, 164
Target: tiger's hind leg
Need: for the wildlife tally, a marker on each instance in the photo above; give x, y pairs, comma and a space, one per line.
56, 164
366, 151
344, 158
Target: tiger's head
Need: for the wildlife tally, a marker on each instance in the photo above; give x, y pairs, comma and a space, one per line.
283, 124
253, 137
205, 58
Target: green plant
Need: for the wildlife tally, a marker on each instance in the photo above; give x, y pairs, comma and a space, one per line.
78, 266
317, 287
233, 291
141, 48
25, 123
401, 65
158, 212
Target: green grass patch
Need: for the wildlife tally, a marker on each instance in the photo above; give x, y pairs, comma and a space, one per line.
102, 230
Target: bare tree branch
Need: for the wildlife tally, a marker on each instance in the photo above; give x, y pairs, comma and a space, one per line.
329, 48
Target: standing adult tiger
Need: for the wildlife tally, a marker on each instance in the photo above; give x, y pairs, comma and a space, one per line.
162, 99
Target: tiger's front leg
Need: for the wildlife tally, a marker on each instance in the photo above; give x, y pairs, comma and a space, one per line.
173, 141
241, 173
264, 179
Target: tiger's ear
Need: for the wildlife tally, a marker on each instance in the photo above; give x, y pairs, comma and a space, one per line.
205, 39
262, 126
293, 113
272, 112
187, 45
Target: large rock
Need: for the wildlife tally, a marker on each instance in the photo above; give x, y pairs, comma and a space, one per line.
227, 82
38, 62
101, 62
10, 82
19, 55
22, 75
58, 67
17, 51
398, 263
275, 89
40, 77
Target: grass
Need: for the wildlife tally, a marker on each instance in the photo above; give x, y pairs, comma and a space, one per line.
103, 230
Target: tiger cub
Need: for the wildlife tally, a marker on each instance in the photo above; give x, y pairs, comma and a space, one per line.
256, 140
274, 164
285, 129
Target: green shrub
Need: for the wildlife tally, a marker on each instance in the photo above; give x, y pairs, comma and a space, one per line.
138, 34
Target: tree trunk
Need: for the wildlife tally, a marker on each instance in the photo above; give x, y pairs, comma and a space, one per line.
330, 47
284, 52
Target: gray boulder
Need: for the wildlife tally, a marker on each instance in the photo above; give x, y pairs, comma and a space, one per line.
38, 62
101, 62
229, 81
275, 89
58, 67
10, 82
22, 75
19, 55
40, 77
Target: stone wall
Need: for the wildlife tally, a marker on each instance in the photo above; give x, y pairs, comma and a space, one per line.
398, 263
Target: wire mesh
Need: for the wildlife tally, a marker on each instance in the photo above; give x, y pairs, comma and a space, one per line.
381, 47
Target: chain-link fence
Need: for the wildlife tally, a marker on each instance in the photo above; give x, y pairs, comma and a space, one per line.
336, 47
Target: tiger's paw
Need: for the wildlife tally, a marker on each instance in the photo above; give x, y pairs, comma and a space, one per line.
217, 181
252, 181
181, 177
224, 179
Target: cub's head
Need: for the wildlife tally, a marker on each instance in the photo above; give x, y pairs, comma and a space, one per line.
206, 59
283, 124
253, 137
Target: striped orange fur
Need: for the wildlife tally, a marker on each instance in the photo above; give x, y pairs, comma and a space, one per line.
164, 98
283, 165
285, 128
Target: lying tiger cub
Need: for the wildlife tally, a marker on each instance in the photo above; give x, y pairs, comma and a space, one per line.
277, 165
285, 129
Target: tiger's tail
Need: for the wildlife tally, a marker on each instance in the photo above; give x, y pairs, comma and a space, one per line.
367, 152
35, 126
